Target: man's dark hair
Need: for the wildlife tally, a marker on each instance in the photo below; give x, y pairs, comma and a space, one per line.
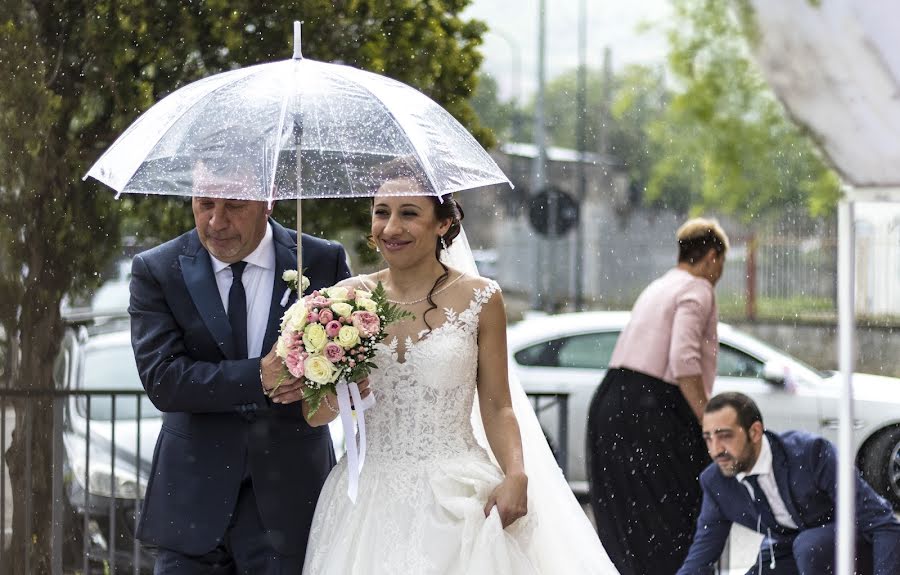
747, 411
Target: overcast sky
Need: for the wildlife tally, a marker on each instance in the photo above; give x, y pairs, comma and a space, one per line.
613, 23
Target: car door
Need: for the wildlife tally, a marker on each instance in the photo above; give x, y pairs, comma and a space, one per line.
574, 365
784, 407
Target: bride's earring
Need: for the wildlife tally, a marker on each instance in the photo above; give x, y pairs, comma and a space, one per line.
443, 244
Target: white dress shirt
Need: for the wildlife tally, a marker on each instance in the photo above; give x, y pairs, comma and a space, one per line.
258, 280
763, 471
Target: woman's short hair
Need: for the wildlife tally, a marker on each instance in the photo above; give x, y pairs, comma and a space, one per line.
697, 236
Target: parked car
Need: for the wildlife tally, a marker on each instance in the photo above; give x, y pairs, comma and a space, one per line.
569, 353
108, 442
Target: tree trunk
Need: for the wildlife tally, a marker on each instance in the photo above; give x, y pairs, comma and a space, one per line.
30, 454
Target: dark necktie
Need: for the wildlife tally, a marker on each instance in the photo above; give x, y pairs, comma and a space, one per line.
237, 309
762, 503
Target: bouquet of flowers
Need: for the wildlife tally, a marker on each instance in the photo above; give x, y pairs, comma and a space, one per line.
330, 335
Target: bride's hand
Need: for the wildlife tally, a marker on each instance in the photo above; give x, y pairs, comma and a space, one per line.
510, 498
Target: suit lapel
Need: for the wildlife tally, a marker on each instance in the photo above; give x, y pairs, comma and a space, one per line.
285, 259
781, 470
198, 276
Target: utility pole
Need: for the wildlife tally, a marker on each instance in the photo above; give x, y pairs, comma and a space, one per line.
539, 165
581, 112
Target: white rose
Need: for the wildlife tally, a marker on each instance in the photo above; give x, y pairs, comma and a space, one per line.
342, 309
295, 317
314, 338
348, 337
363, 294
319, 370
304, 284
281, 349
367, 304
290, 276
337, 293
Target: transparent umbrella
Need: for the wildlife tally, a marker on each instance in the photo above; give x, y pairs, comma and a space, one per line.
292, 129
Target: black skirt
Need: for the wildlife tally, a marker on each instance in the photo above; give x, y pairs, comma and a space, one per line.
645, 452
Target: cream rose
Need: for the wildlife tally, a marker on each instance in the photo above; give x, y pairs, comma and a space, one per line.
363, 294
367, 304
289, 276
295, 317
342, 309
314, 338
318, 369
337, 293
348, 337
281, 349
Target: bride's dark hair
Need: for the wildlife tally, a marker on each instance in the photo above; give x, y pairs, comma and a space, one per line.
445, 208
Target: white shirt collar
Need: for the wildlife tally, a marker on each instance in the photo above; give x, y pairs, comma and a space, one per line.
763, 465
263, 256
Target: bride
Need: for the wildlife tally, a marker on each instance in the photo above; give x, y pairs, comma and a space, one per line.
450, 483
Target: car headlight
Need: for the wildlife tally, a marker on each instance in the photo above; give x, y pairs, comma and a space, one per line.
101, 481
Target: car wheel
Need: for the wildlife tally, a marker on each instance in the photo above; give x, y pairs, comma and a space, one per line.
881, 465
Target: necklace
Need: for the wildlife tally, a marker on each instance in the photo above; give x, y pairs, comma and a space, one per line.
421, 299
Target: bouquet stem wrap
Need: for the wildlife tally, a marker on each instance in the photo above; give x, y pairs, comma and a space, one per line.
356, 454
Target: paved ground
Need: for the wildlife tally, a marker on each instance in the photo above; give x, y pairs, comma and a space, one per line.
742, 550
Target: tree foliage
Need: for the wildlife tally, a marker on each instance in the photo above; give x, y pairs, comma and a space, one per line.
727, 142
76, 74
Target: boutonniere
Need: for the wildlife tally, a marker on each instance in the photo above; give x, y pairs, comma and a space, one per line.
293, 279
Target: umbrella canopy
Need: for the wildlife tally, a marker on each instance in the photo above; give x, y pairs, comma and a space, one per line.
836, 67
259, 127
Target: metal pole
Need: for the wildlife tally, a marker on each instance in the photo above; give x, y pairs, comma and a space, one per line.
581, 113
56, 527
539, 166
846, 476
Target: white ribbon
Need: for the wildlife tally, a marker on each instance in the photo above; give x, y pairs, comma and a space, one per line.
356, 455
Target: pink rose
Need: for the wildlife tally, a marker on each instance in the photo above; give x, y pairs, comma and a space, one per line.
351, 294
294, 362
366, 322
312, 317
333, 352
317, 301
333, 328
325, 316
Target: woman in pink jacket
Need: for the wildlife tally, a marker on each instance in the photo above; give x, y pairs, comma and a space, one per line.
644, 444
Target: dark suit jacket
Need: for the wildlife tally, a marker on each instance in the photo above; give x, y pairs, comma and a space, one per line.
805, 468
217, 423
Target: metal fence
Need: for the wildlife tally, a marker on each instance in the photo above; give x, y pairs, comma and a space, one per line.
96, 487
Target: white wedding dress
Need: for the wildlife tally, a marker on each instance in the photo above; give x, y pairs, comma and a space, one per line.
419, 509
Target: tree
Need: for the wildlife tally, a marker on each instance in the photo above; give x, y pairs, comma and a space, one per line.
499, 116
76, 74
727, 142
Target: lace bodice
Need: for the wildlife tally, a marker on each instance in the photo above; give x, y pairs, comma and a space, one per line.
424, 399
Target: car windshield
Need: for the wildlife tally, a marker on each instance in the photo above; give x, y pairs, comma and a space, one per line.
113, 368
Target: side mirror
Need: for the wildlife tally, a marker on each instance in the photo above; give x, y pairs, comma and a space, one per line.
775, 372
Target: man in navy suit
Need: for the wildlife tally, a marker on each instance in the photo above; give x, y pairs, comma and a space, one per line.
783, 486
237, 469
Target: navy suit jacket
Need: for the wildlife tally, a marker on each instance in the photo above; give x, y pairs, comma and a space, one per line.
805, 469
218, 426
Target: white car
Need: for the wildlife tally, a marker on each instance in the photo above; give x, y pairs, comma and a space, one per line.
569, 354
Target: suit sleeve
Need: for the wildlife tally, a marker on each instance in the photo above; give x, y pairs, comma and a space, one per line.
342, 267
712, 531
174, 381
875, 519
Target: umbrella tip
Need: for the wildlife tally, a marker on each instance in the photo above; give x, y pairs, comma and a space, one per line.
297, 54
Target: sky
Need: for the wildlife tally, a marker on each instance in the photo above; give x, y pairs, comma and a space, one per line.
513, 28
